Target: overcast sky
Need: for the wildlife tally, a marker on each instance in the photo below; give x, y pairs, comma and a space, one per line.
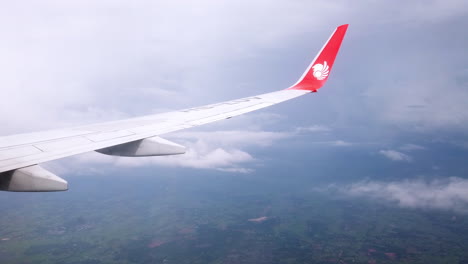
399, 85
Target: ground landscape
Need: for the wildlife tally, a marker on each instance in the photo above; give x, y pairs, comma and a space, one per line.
220, 218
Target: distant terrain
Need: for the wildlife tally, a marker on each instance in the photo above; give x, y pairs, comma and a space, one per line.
219, 219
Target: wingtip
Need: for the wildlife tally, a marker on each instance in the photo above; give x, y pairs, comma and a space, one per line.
318, 71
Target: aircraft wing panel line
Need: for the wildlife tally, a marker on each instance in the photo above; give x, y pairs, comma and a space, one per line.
11, 153
19, 140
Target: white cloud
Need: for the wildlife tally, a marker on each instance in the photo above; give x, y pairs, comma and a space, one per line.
217, 158
236, 170
313, 128
459, 143
448, 194
341, 143
218, 150
224, 150
238, 138
395, 155
412, 147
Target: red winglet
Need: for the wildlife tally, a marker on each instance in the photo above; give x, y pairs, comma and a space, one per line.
317, 73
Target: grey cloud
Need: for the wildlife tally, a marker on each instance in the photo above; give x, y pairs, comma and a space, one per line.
63, 56
441, 110
59, 58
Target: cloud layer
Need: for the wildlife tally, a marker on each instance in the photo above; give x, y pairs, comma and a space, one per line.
73, 62
446, 194
219, 150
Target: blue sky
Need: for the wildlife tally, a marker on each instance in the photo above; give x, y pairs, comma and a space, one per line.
396, 98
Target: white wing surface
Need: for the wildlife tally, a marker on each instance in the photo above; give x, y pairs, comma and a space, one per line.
20, 154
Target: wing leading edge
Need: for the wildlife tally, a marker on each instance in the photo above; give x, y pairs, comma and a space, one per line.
20, 154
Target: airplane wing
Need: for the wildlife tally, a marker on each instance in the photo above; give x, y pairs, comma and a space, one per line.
136, 137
